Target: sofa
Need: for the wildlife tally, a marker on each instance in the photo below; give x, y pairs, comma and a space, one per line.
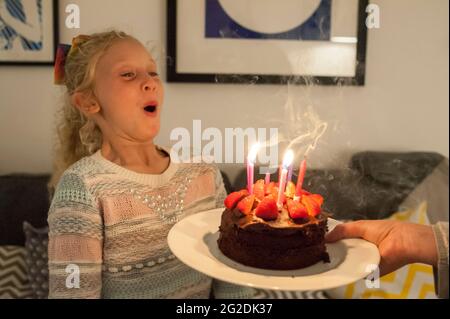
373, 186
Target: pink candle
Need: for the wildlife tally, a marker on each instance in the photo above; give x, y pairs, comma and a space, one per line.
251, 167
301, 177
267, 180
250, 177
279, 172
281, 187
289, 175
287, 160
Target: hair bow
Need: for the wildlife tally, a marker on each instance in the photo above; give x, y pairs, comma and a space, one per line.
64, 52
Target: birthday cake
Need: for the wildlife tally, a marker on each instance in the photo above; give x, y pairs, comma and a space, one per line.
265, 230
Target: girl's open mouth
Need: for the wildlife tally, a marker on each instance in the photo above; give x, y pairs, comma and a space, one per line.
150, 108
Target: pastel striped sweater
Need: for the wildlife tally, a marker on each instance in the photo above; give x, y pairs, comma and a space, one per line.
111, 224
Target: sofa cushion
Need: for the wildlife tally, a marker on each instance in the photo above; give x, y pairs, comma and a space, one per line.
388, 178
22, 198
226, 182
434, 190
36, 244
402, 170
14, 282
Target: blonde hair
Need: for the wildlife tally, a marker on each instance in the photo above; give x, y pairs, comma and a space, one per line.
78, 136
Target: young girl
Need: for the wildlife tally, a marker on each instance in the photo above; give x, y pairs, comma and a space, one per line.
118, 194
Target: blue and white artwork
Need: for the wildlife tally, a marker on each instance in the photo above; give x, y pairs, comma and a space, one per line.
269, 19
28, 31
21, 25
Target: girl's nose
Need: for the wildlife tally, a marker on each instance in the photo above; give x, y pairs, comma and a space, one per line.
150, 84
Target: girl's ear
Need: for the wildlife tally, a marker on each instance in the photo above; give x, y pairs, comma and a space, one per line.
86, 103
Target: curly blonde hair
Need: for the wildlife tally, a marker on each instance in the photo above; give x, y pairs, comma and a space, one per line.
78, 136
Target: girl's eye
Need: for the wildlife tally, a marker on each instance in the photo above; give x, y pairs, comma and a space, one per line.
153, 74
127, 75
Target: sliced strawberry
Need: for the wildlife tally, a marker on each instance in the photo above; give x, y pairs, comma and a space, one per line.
303, 192
290, 190
246, 204
232, 199
317, 198
311, 205
259, 189
296, 209
267, 209
269, 187
272, 189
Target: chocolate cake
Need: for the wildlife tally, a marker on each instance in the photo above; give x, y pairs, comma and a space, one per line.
254, 231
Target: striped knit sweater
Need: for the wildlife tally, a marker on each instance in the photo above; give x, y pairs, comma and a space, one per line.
111, 225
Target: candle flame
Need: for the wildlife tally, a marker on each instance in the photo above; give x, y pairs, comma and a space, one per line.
288, 158
253, 152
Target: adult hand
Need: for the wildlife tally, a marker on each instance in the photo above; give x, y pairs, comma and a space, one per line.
399, 243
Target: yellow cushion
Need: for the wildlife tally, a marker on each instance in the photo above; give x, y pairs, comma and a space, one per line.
414, 281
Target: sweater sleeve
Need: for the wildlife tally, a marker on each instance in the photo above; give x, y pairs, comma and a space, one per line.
440, 230
75, 241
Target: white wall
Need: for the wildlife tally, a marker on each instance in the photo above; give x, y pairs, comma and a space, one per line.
403, 107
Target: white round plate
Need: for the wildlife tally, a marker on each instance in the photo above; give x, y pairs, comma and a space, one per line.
194, 241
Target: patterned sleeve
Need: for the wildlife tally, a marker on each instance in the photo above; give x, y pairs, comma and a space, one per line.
223, 290
75, 241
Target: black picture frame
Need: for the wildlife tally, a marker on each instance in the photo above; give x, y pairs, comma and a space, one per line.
49, 8
174, 76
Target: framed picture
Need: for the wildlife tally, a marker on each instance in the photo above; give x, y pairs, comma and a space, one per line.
271, 41
28, 32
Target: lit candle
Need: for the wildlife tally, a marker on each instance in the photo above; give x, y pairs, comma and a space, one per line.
301, 177
267, 180
251, 158
289, 175
287, 160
